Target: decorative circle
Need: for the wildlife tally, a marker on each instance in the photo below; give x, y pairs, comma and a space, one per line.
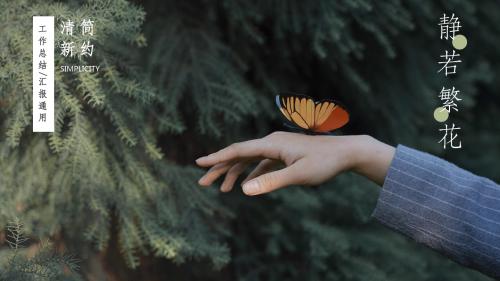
441, 114
459, 42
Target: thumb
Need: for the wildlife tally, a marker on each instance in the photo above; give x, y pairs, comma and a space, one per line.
273, 180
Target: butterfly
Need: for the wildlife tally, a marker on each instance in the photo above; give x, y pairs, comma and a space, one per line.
312, 116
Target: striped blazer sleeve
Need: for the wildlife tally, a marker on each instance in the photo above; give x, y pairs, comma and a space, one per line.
444, 207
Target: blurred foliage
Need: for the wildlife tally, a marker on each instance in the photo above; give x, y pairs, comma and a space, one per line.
101, 168
44, 265
197, 75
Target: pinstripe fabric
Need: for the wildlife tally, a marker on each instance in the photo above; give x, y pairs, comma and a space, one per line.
444, 207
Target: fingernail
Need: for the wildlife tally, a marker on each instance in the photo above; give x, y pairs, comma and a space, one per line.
200, 181
251, 187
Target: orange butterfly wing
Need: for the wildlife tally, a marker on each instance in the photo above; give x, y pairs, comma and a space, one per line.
335, 118
298, 110
318, 117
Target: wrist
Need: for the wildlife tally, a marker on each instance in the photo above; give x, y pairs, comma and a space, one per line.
372, 158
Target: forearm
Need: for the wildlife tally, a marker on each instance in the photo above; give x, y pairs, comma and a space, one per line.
444, 207
433, 201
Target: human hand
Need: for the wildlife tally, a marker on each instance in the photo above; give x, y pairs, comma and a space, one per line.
308, 160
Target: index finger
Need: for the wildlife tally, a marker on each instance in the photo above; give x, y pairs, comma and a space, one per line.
246, 149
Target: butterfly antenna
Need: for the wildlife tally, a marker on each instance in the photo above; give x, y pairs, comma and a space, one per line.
289, 126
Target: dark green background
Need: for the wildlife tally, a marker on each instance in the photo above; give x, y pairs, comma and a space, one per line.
116, 182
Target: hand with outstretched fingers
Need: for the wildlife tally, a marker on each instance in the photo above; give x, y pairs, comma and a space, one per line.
295, 159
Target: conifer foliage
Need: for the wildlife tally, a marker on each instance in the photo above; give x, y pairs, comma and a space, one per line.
44, 265
102, 164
